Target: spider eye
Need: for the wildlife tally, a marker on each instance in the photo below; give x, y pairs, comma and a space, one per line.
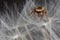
40, 12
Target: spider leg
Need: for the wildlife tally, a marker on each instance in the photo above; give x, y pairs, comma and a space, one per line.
33, 14
46, 14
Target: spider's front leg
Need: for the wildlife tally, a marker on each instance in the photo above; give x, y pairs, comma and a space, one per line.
46, 14
34, 14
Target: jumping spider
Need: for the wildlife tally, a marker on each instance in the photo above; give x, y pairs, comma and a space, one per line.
40, 11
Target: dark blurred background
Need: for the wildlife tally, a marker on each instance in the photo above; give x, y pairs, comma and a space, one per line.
19, 3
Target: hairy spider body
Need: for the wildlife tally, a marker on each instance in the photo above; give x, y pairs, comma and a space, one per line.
40, 11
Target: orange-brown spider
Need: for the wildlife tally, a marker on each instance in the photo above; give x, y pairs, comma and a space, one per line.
40, 11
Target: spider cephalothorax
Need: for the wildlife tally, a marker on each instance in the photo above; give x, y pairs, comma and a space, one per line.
40, 11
